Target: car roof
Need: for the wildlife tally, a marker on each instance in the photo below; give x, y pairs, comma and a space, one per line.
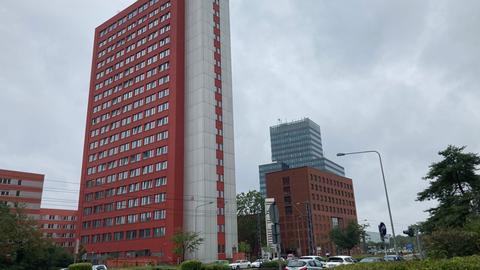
341, 256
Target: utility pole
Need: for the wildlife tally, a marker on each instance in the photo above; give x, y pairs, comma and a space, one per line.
419, 247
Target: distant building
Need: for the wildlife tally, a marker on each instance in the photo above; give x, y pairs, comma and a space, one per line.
297, 144
310, 203
272, 226
59, 225
22, 189
373, 237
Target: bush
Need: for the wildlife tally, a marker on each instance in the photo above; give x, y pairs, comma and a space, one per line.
191, 265
458, 263
164, 267
215, 266
273, 264
451, 243
80, 266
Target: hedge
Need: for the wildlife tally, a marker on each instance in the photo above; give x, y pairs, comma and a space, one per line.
215, 266
191, 265
272, 264
458, 263
80, 266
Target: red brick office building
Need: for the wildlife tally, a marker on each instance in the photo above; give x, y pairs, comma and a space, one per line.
310, 203
59, 225
25, 189
158, 155
22, 189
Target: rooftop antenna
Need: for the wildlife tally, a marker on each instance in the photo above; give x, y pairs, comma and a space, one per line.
279, 120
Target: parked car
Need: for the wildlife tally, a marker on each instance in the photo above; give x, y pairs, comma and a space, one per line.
392, 258
258, 263
314, 257
339, 260
371, 260
221, 262
240, 264
304, 264
99, 267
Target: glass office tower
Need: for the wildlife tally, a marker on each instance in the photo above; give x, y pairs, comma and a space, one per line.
297, 144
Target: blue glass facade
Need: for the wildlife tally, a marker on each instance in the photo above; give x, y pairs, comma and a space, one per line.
297, 144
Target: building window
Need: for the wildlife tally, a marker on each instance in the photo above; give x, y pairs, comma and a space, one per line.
131, 235
158, 232
145, 233
288, 210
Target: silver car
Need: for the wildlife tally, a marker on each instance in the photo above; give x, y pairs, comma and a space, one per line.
318, 258
304, 264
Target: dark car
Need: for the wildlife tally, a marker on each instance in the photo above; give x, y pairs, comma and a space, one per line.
393, 258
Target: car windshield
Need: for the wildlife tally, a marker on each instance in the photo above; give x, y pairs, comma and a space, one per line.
335, 259
368, 260
296, 263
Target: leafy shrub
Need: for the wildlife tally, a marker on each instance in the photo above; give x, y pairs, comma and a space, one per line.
191, 265
164, 267
458, 263
215, 266
451, 243
80, 266
273, 264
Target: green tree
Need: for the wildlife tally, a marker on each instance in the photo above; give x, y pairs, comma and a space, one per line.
244, 247
456, 186
186, 242
251, 219
348, 237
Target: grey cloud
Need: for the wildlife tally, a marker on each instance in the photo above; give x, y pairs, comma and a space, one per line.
398, 76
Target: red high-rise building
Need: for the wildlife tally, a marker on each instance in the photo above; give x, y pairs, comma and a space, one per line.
310, 203
158, 156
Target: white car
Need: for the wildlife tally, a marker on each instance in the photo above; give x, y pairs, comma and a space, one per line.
99, 267
314, 257
240, 264
339, 260
258, 263
304, 264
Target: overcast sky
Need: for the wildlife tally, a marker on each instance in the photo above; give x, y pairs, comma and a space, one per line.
401, 77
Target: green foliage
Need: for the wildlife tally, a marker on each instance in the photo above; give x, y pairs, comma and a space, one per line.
273, 264
346, 238
26, 249
191, 265
215, 266
244, 247
186, 242
456, 186
251, 219
80, 266
463, 263
452, 242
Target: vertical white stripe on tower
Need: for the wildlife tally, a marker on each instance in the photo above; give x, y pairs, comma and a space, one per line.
200, 180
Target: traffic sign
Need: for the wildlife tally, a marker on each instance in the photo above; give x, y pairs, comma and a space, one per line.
382, 229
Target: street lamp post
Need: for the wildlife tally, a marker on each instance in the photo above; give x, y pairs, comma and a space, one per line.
385, 187
195, 225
